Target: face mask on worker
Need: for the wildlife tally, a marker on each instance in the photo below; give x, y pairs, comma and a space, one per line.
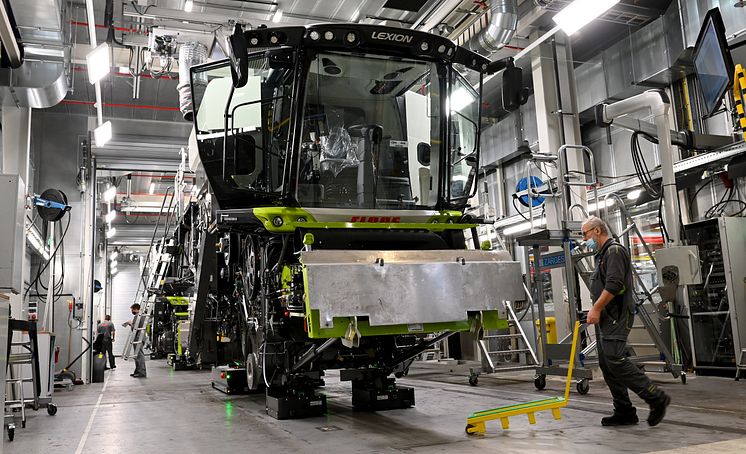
591, 244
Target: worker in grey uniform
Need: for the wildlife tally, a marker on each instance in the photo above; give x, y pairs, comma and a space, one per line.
107, 331
140, 371
613, 312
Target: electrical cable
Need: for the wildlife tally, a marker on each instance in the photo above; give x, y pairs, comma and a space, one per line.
664, 231
137, 10
49, 261
641, 167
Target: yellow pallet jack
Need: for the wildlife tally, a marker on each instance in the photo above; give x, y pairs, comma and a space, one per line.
475, 423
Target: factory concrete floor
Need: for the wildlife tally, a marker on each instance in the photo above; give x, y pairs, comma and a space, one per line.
178, 412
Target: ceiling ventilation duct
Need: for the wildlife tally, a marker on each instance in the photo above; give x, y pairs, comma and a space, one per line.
190, 54
42, 80
503, 24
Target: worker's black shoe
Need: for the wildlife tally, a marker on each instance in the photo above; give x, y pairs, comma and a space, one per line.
134, 375
619, 419
658, 410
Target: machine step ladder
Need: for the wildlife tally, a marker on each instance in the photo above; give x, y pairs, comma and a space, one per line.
136, 338
157, 267
501, 352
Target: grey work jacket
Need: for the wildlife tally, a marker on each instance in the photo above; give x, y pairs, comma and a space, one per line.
614, 273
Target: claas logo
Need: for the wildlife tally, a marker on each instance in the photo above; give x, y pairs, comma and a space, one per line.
375, 219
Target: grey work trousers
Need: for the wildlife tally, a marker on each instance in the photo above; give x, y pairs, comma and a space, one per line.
140, 364
620, 374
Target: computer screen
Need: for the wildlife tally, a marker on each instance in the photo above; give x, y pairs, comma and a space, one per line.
712, 61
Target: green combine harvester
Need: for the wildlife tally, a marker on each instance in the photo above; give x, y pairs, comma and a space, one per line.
337, 163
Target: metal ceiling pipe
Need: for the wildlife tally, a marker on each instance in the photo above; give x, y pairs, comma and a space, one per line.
190, 54
503, 24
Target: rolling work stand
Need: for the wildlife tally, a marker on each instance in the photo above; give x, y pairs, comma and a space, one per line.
26, 353
552, 354
566, 238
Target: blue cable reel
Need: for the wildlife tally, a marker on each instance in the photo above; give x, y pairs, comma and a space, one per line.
522, 186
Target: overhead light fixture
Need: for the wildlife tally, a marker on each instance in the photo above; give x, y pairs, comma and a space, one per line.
110, 216
33, 238
188, 6
98, 62
114, 263
111, 232
110, 193
607, 204
113, 271
459, 99
634, 194
355, 15
114, 255
151, 191
524, 227
580, 13
102, 134
124, 70
277, 16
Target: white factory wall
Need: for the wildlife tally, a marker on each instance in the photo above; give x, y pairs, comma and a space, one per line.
55, 156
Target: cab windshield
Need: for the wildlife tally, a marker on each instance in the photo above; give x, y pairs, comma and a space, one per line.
371, 133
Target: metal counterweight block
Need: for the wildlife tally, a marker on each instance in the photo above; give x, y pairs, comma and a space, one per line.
293, 407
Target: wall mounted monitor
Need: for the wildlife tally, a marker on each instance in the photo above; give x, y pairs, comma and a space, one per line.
712, 61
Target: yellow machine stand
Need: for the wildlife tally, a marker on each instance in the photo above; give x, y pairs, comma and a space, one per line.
475, 423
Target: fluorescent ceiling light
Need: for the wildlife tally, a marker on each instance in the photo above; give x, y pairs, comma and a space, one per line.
188, 6
37, 244
114, 263
98, 62
124, 70
111, 232
114, 271
460, 99
277, 16
151, 191
609, 203
524, 227
110, 193
580, 13
102, 134
110, 216
114, 255
355, 15
634, 194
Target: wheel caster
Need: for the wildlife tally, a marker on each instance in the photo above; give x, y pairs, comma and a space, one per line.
469, 426
23, 424
11, 433
473, 380
683, 378
35, 407
540, 382
583, 387
51, 409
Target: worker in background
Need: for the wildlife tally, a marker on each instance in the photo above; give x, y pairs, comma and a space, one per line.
140, 371
107, 332
613, 313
